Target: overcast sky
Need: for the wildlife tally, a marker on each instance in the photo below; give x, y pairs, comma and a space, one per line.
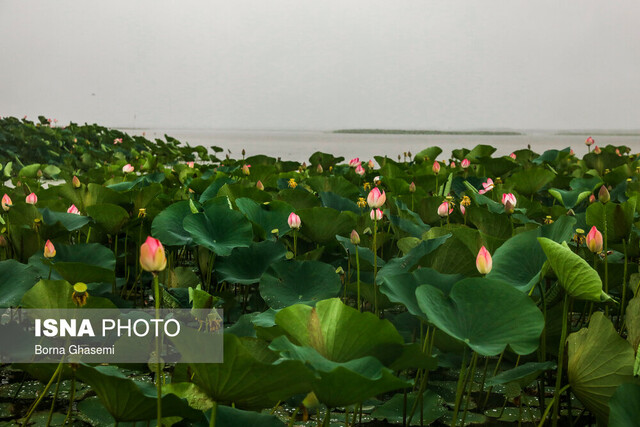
324, 64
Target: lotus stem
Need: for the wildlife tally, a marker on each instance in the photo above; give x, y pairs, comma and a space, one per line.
563, 338
624, 286
546, 411
156, 290
43, 394
375, 265
88, 235
71, 398
606, 264
295, 243
495, 372
460, 388
292, 419
214, 413
474, 361
358, 277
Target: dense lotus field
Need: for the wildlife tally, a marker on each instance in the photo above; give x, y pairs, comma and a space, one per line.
418, 290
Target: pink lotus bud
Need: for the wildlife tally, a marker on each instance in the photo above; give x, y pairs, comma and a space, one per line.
75, 182
375, 199
509, 202
597, 150
191, 164
603, 195
592, 198
355, 237
465, 163
513, 156
49, 250
376, 214
412, 187
452, 165
245, 169
463, 210
484, 261
360, 170
589, 141
487, 186
354, 162
152, 257
319, 168
618, 152
127, 168
594, 240
6, 202
259, 186
117, 141
73, 210
370, 164
436, 167
294, 221
32, 199
571, 152
443, 209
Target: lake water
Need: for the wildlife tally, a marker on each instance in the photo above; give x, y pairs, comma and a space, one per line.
299, 145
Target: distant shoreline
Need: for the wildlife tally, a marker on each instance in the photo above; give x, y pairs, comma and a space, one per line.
427, 132
600, 133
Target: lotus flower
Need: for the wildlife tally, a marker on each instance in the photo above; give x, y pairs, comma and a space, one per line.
32, 199
412, 187
75, 182
191, 164
245, 169
6, 202
127, 168
319, 168
594, 240
589, 142
443, 209
49, 250
354, 162
484, 261
376, 214
592, 198
259, 185
73, 210
463, 210
152, 257
513, 156
487, 186
294, 221
355, 237
436, 167
375, 199
360, 170
509, 202
465, 163
452, 165
117, 141
597, 150
370, 164
603, 195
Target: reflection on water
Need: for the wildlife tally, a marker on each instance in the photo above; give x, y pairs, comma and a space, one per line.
299, 145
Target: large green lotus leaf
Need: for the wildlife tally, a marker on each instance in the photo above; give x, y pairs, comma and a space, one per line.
29, 171
23, 214
430, 153
623, 407
569, 198
15, 280
341, 383
632, 322
530, 181
212, 190
479, 151
339, 203
523, 375
267, 217
246, 265
108, 216
247, 378
306, 282
94, 194
335, 184
408, 221
365, 254
167, 225
406, 263
228, 416
392, 410
84, 262
69, 221
299, 198
340, 333
325, 159
402, 287
458, 254
490, 224
58, 294
619, 218
481, 199
130, 400
219, 229
321, 225
519, 260
599, 361
552, 156
487, 315
236, 191
577, 277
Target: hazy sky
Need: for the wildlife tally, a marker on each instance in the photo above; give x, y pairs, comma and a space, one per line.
324, 64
